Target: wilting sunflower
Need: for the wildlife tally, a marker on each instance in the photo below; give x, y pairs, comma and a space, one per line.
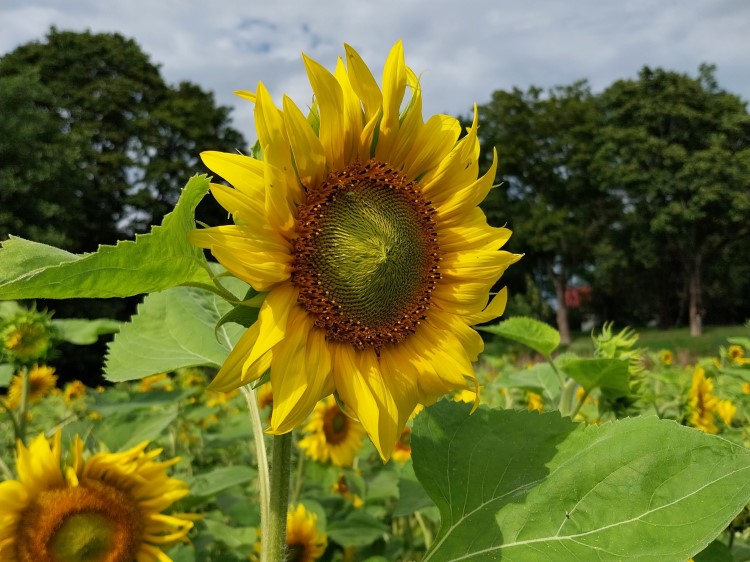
104, 509
42, 381
303, 540
331, 435
361, 223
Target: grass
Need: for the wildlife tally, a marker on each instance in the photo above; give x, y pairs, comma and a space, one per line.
677, 340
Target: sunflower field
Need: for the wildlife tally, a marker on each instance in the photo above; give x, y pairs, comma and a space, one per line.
322, 391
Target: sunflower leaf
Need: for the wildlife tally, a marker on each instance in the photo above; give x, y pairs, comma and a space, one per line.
537, 335
524, 486
81, 331
171, 329
155, 261
611, 374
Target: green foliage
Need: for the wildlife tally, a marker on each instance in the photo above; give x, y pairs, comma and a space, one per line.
94, 144
155, 261
84, 332
521, 485
173, 329
608, 374
537, 335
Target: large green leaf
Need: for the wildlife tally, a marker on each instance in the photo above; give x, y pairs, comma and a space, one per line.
81, 331
522, 486
211, 483
124, 430
537, 335
6, 373
611, 374
152, 262
172, 329
539, 378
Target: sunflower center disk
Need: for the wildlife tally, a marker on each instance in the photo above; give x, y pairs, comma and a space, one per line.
93, 522
366, 256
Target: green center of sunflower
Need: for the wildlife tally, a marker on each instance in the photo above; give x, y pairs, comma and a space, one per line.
366, 255
93, 522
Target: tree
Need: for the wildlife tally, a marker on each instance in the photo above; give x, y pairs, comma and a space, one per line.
116, 141
676, 151
544, 142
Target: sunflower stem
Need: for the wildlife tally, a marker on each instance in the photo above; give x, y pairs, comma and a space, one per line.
262, 459
274, 546
22, 415
12, 417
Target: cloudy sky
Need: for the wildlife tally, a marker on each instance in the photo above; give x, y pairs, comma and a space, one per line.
465, 49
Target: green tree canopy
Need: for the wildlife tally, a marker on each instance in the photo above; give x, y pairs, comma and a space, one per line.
676, 151
544, 141
97, 144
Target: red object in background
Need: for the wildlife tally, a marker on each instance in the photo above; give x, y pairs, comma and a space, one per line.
575, 297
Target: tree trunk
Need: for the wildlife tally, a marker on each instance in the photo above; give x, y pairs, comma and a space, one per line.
562, 310
695, 309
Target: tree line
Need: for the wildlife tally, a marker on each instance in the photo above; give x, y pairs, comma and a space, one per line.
641, 192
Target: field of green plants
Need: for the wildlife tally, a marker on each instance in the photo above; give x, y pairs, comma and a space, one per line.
354, 506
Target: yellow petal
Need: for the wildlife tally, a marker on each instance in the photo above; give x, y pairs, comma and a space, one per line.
360, 385
437, 137
470, 340
353, 118
330, 100
363, 83
494, 309
244, 94
309, 156
243, 172
459, 168
454, 208
411, 126
394, 86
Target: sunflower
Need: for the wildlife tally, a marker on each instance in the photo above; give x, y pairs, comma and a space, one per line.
42, 381
726, 410
28, 336
402, 450
303, 540
331, 435
736, 353
536, 403
73, 391
666, 357
104, 509
703, 402
361, 224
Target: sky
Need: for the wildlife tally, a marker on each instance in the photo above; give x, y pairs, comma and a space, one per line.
463, 49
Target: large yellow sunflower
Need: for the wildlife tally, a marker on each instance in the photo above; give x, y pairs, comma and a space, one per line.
332, 436
361, 223
104, 509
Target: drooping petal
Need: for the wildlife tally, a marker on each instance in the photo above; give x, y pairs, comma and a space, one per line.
297, 383
360, 385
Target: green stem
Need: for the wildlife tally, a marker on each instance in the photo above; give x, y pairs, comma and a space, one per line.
566, 398
299, 479
580, 403
425, 530
23, 415
560, 377
7, 474
261, 458
12, 417
273, 545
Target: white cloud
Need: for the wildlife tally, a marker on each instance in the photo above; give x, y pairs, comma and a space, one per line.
464, 50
